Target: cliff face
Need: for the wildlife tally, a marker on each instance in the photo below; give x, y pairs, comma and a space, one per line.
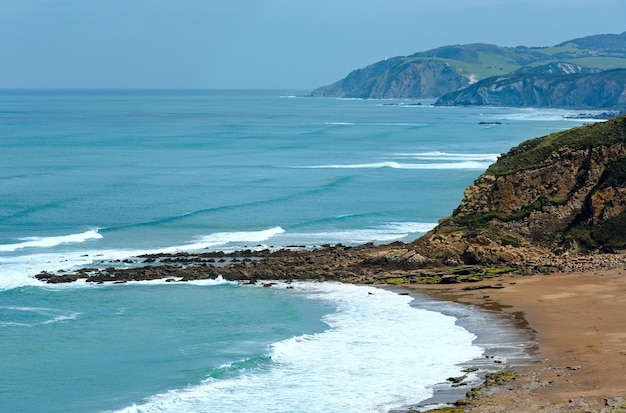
562, 193
605, 90
398, 78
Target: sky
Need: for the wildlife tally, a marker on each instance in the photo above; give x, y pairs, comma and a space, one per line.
262, 44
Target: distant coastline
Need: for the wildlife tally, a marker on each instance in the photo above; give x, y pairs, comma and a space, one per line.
587, 73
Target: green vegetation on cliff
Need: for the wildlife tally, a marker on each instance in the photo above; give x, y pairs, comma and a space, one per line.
609, 233
530, 154
567, 188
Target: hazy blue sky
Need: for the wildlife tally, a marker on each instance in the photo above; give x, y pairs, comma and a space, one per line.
262, 43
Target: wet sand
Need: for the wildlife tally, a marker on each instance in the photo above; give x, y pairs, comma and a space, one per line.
580, 321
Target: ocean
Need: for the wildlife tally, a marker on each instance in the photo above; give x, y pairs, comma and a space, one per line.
90, 178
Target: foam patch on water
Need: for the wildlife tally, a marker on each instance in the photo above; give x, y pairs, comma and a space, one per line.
546, 114
33, 316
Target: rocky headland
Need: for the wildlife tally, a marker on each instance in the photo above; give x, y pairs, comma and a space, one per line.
556, 203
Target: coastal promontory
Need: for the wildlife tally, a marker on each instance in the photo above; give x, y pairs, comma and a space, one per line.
578, 73
558, 195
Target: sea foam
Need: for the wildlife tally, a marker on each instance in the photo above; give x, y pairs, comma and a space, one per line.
547, 114
19, 271
376, 354
49, 242
398, 165
446, 156
15, 316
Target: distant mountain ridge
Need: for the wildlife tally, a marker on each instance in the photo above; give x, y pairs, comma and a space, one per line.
435, 73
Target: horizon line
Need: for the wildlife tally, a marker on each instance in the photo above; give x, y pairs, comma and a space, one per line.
139, 89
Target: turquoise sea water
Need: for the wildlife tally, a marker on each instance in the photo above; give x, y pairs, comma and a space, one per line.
87, 177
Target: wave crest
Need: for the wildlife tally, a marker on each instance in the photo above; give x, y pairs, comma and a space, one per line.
397, 165
448, 156
222, 238
49, 242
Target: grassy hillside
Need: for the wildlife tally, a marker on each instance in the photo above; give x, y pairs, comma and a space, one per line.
531, 153
588, 226
391, 78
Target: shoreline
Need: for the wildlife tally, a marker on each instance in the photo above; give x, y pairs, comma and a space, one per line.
507, 339
577, 313
581, 357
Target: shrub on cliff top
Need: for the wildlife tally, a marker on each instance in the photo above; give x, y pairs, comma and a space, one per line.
531, 153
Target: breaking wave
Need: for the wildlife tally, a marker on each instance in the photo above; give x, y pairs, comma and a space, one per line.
49, 242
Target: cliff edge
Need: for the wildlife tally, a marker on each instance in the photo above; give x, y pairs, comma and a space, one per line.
561, 194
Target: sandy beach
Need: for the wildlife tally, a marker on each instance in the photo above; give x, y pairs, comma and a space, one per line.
579, 319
